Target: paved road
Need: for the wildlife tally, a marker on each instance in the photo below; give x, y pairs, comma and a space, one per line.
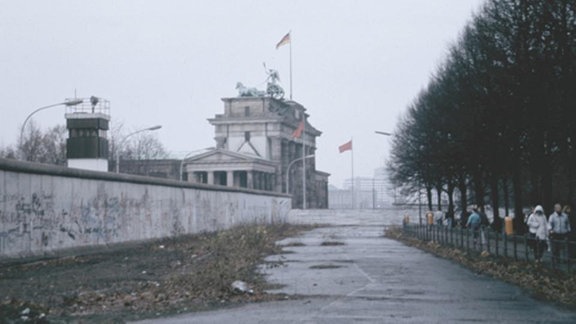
371, 279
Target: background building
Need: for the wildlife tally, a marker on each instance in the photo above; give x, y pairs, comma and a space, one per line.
365, 192
256, 144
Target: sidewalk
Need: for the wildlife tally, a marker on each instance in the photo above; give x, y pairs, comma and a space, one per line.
371, 279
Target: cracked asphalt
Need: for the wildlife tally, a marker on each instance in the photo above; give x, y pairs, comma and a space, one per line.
349, 273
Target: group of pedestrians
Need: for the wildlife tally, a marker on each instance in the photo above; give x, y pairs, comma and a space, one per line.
555, 233
550, 233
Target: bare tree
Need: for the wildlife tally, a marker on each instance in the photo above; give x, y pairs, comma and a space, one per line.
43, 147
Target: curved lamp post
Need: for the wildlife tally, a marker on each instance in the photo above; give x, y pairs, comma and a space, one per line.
67, 103
419, 185
383, 133
153, 128
290, 166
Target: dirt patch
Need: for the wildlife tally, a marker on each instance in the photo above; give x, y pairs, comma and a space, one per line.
542, 282
158, 278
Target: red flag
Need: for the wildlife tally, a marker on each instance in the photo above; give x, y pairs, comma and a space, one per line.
298, 131
285, 40
345, 147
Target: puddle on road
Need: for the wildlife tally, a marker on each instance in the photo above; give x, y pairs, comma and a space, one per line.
325, 266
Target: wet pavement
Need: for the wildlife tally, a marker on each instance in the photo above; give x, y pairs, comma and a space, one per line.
350, 273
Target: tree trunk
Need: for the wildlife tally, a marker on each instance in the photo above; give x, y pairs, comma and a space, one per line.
463, 196
450, 192
517, 190
495, 199
439, 197
505, 190
478, 190
429, 197
547, 190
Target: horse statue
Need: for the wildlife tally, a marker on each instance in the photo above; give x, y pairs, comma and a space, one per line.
273, 89
244, 91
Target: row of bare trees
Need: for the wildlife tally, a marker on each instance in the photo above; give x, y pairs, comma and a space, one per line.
49, 146
496, 123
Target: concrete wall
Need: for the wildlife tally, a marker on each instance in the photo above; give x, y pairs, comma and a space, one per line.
44, 209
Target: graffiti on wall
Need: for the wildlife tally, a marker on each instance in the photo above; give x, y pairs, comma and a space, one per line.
48, 214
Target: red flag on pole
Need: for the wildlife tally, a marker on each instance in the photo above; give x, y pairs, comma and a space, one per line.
298, 131
345, 147
285, 40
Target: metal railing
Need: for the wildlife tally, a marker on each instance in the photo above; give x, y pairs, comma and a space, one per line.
500, 245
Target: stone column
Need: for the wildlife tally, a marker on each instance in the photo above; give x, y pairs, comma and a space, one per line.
230, 178
250, 179
210, 177
270, 185
256, 180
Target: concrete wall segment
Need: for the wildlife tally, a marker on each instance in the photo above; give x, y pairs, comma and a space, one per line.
45, 209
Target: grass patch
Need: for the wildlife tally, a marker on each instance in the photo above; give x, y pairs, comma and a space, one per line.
332, 243
325, 266
168, 276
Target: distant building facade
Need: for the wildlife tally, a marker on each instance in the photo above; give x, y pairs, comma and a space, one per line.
365, 193
158, 168
255, 145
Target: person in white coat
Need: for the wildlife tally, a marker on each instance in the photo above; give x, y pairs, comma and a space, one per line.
538, 228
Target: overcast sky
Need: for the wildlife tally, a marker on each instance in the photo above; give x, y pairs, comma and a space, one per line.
357, 64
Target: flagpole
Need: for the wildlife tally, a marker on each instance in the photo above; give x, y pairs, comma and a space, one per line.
303, 159
290, 65
352, 165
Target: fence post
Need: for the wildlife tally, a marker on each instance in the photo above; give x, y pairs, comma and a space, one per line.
526, 247
487, 236
569, 252
461, 238
552, 248
505, 241
497, 235
515, 246
468, 241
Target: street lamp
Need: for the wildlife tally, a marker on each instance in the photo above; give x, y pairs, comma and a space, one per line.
290, 166
153, 128
67, 103
190, 154
373, 189
383, 133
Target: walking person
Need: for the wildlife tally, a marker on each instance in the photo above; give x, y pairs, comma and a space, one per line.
473, 224
439, 217
559, 227
537, 232
484, 224
450, 218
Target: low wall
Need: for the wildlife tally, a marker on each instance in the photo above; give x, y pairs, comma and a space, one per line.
44, 208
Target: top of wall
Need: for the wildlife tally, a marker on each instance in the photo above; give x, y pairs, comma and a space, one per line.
60, 171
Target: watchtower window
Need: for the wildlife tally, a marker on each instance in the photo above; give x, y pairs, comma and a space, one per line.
247, 136
247, 111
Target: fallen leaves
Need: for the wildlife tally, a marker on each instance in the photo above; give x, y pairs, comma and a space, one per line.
167, 276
